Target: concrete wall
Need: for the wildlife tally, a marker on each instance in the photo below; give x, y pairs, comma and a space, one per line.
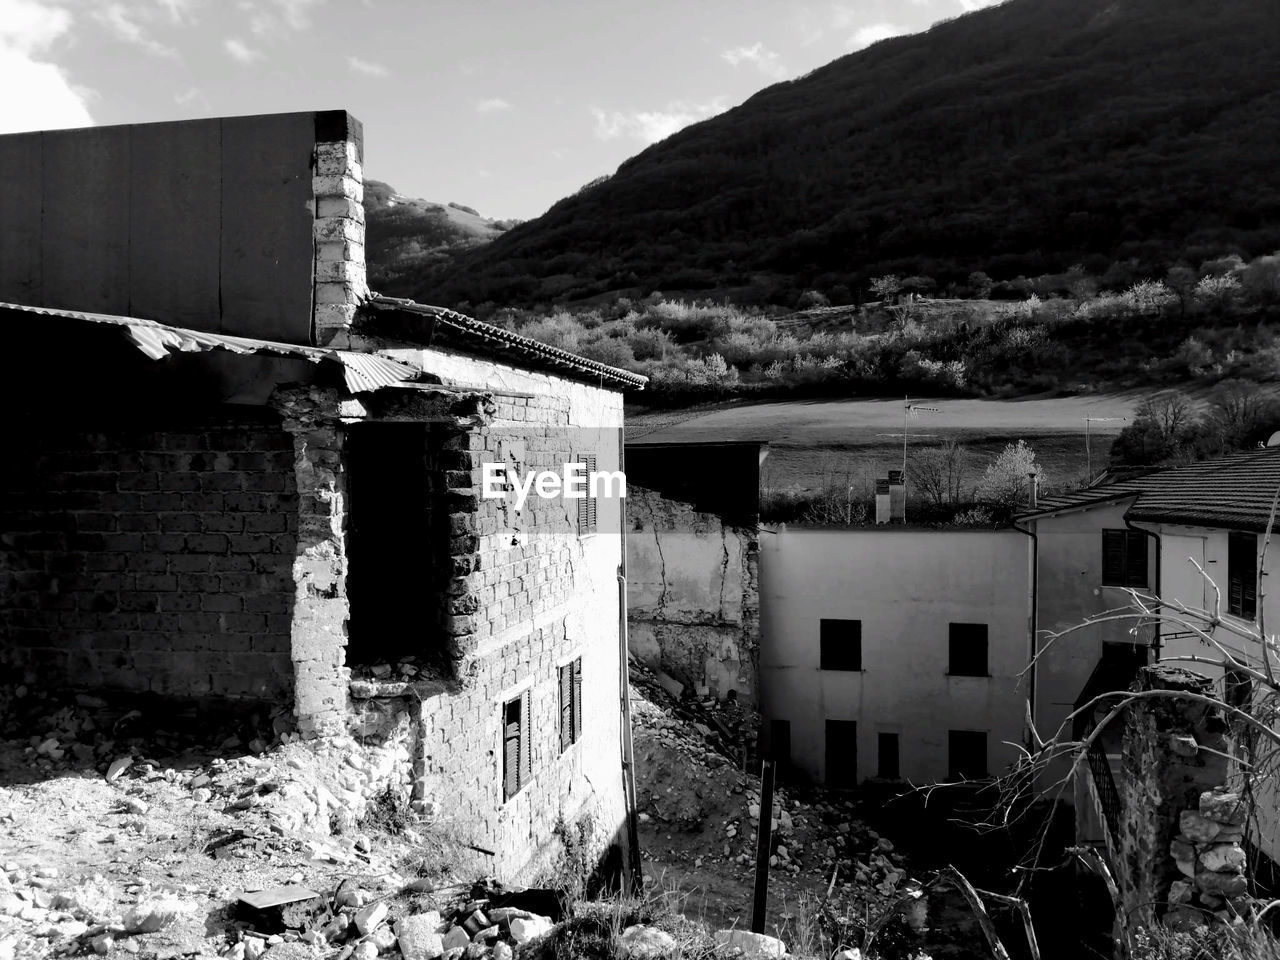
150, 560
1069, 590
693, 602
905, 586
208, 224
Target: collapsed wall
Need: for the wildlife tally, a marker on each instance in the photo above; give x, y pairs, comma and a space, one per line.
693, 594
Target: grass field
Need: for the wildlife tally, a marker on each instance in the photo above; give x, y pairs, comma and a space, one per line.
820, 443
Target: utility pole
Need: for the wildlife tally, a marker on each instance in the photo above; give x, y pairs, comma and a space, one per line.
764, 841
910, 409
1088, 457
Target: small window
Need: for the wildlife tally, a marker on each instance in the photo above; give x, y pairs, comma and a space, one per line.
1242, 574
587, 505
841, 644
517, 764
1124, 558
966, 754
570, 703
968, 650
887, 756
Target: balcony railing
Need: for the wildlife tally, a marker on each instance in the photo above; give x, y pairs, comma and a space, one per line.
1104, 786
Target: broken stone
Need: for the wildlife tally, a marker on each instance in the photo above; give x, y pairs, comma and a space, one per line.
419, 936
136, 806
641, 942
475, 922
102, 943
1181, 891
152, 915
455, 939
383, 938
1196, 828
365, 951
754, 946
1223, 858
1222, 806
524, 929
1222, 884
1184, 855
501, 951
368, 918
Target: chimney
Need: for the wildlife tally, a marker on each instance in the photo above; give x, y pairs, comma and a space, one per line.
338, 186
1033, 490
897, 497
882, 500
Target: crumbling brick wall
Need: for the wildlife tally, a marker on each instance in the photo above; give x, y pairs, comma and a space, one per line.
693, 598
150, 559
525, 594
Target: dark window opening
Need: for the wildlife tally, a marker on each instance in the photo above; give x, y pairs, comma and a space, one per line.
587, 505
1124, 558
966, 754
777, 745
887, 756
842, 754
395, 549
1242, 574
517, 764
967, 650
841, 644
570, 703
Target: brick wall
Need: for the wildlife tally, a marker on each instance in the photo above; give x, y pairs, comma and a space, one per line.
525, 595
151, 560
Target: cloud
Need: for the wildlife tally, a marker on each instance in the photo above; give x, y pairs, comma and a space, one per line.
239, 50
274, 16
123, 23
760, 57
367, 67
874, 33
650, 126
492, 105
41, 96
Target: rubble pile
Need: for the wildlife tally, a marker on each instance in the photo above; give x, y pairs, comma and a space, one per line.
698, 809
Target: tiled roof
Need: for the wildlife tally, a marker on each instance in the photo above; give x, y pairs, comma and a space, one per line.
1234, 491
466, 332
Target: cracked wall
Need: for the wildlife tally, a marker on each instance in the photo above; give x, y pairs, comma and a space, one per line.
693, 602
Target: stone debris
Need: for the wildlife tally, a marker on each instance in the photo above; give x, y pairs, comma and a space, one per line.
1208, 853
639, 942
752, 946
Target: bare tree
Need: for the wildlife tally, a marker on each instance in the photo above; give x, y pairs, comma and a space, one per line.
938, 473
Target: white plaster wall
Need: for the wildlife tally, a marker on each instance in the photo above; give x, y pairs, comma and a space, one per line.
905, 586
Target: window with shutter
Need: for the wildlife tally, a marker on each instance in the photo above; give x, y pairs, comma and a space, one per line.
511, 729
587, 505
1242, 574
526, 737
570, 703
577, 699
1124, 558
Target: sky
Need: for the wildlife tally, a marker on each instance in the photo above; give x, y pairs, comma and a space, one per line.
502, 105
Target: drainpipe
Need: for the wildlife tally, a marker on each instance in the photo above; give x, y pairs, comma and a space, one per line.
1033, 649
634, 866
1155, 646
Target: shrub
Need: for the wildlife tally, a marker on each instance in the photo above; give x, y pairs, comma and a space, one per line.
1004, 483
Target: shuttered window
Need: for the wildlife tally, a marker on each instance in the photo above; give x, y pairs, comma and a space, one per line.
587, 505
570, 703
966, 754
1124, 558
1242, 574
517, 762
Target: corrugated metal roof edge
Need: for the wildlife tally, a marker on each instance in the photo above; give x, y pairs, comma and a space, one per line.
488, 333
362, 372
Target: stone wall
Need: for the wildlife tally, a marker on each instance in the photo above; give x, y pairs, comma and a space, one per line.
150, 560
693, 597
1179, 856
525, 594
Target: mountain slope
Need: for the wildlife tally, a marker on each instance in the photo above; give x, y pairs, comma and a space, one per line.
1016, 140
415, 238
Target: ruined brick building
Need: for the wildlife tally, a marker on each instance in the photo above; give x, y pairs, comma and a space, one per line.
235, 477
